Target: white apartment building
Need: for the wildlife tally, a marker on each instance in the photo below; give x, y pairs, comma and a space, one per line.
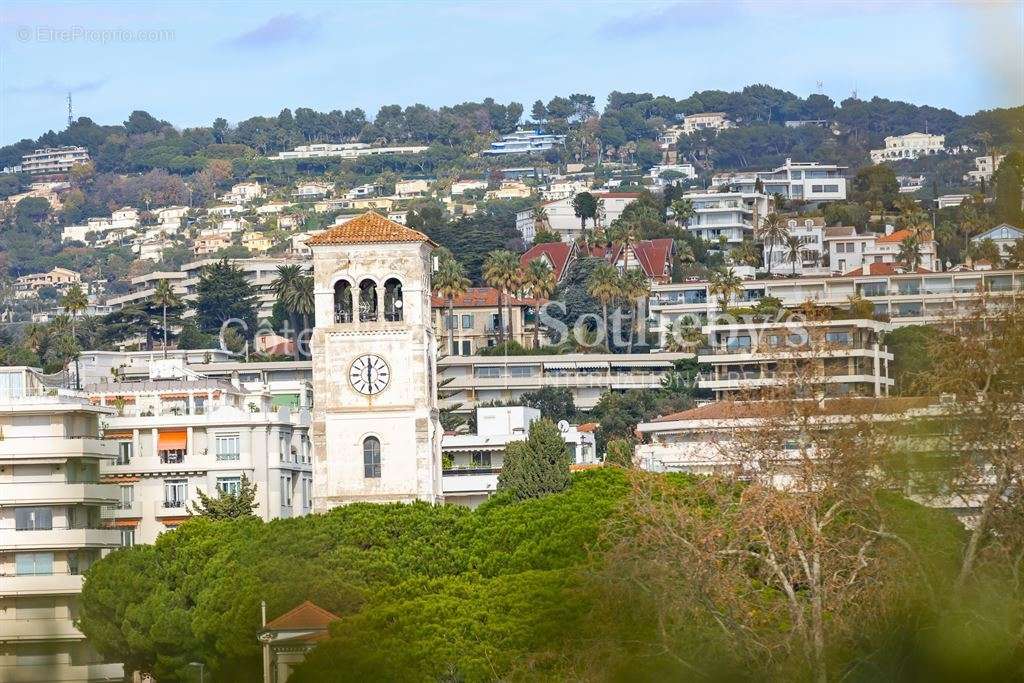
909, 146
727, 216
813, 249
902, 298
984, 168
910, 183
476, 380
713, 120
349, 150
412, 188
524, 142
474, 461
313, 190
562, 218
50, 528
844, 357
807, 181
686, 170
175, 437
242, 193
950, 200
54, 159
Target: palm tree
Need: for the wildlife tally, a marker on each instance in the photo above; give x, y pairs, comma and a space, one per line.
773, 231
302, 302
636, 288
725, 285
165, 298
627, 233
682, 211
793, 245
909, 255
74, 302
541, 281
450, 281
540, 218
283, 286
501, 271
605, 285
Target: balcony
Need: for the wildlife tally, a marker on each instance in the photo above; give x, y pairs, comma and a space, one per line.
55, 492
54, 446
47, 539
67, 672
123, 510
28, 630
470, 480
41, 584
172, 457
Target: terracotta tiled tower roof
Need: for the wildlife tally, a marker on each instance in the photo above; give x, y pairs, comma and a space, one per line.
368, 228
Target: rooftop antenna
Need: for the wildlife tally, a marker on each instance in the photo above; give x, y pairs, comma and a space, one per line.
853, 94
821, 87
69, 111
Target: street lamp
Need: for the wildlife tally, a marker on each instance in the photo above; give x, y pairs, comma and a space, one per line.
202, 670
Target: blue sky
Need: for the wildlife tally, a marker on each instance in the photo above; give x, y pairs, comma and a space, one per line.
208, 59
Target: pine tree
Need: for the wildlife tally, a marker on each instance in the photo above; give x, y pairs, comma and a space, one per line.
537, 466
228, 505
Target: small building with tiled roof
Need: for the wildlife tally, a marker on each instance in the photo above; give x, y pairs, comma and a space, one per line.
286, 639
562, 220
882, 268
654, 257
558, 256
848, 250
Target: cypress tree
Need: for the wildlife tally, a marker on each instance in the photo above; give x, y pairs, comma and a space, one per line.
537, 466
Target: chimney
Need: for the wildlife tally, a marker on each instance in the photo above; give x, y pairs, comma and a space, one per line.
865, 268
888, 229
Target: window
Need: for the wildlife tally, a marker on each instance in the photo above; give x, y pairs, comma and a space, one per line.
124, 452
228, 446
839, 338
33, 563
449, 322
127, 497
488, 371
367, 301
371, 457
467, 349
482, 459
229, 485
307, 493
520, 371
127, 538
286, 490
28, 519
285, 447
342, 302
467, 321
175, 493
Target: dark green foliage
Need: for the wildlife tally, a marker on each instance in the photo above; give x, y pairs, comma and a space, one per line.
224, 294
554, 403
913, 360
473, 237
191, 338
537, 466
1009, 186
619, 452
228, 505
875, 186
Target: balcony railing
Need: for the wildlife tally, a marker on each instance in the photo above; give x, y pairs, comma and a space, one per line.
175, 457
173, 504
228, 456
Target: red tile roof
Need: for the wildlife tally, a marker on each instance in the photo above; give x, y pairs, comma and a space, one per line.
654, 256
896, 236
883, 269
305, 616
369, 228
558, 255
482, 297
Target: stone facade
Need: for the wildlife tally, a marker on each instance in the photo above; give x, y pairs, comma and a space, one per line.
402, 414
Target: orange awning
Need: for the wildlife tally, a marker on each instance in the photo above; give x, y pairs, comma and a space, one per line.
172, 440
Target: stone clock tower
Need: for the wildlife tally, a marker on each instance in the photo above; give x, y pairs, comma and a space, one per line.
376, 434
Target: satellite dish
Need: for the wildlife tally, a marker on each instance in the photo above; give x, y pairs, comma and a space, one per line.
563, 425
398, 303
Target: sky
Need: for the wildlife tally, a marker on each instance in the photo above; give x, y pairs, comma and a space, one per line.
189, 62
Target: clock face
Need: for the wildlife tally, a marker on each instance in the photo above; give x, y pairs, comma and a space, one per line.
369, 374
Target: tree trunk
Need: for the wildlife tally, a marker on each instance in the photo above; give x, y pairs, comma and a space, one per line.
451, 330
501, 322
607, 345
165, 331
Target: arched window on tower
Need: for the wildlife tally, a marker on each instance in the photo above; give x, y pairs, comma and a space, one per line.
342, 302
367, 301
393, 300
371, 457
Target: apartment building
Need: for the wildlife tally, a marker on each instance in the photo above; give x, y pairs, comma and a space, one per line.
242, 193
51, 497
468, 381
728, 217
58, 278
176, 437
461, 187
472, 462
1004, 235
412, 188
704, 440
474, 321
842, 357
811, 232
909, 146
806, 181
524, 142
902, 298
54, 159
350, 150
